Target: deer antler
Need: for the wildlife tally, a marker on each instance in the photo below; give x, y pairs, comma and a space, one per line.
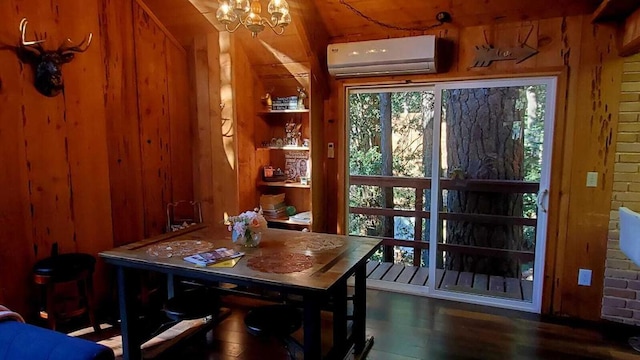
77, 48
23, 40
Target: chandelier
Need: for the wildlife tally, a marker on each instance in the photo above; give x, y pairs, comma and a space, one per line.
233, 13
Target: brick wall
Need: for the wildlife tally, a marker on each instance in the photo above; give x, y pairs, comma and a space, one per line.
621, 298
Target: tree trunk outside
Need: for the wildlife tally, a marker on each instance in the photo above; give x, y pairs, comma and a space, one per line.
483, 143
386, 149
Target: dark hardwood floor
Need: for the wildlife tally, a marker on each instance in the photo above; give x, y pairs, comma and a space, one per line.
410, 327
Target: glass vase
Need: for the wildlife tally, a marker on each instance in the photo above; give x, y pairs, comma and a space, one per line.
249, 239
252, 239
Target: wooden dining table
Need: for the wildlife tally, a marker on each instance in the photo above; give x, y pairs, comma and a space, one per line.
275, 265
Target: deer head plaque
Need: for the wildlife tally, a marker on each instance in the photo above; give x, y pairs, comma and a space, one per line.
47, 64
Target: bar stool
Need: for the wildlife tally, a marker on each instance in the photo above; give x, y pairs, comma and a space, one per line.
192, 304
195, 303
66, 268
278, 320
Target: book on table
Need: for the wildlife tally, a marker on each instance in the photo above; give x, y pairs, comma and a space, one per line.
212, 257
226, 263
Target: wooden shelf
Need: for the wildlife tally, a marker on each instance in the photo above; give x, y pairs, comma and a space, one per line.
283, 184
265, 112
289, 222
285, 148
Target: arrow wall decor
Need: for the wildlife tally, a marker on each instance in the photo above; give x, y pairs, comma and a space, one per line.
485, 55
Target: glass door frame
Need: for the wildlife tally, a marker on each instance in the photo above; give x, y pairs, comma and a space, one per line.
545, 178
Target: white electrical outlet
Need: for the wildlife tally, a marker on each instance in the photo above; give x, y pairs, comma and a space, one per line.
592, 179
584, 277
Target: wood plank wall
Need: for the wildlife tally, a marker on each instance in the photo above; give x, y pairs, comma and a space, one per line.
123, 136
245, 98
150, 145
71, 170
584, 58
153, 114
215, 165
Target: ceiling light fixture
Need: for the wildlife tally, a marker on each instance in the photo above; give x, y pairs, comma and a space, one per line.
233, 13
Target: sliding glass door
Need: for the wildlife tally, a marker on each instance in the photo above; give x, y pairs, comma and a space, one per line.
494, 144
454, 178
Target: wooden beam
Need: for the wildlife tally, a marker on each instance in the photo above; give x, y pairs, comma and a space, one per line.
202, 148
613, 10
315, 38
630, 35
208, 10
215, 160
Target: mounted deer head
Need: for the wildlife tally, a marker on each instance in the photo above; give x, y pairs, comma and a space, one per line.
47, 64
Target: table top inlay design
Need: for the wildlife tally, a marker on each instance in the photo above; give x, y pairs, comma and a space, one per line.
314, 244
281, 263
180, 248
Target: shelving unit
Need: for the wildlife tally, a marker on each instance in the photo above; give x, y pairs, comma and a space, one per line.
298, 195
269, 129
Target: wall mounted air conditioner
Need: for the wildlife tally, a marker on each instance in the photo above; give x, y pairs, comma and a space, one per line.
407, 55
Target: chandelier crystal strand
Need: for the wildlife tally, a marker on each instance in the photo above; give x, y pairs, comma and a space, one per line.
247, 13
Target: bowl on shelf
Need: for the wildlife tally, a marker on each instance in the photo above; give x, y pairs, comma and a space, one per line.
269, 174
274, 178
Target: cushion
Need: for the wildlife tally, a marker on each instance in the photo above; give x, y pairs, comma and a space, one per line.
20, 341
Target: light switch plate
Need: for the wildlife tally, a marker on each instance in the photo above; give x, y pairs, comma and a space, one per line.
584, 277
592, 179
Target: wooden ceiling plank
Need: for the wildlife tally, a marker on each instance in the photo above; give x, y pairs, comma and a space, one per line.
160, 24
346, 24
292, 69
181, 18
630, 37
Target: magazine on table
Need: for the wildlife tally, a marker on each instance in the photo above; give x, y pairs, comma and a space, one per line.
214, 256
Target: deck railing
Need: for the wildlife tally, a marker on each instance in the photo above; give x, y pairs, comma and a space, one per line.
420, 185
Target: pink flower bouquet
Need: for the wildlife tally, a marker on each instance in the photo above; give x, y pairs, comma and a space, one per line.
247, 227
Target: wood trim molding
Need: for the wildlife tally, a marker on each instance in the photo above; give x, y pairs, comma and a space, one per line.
559, 191
409, 80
